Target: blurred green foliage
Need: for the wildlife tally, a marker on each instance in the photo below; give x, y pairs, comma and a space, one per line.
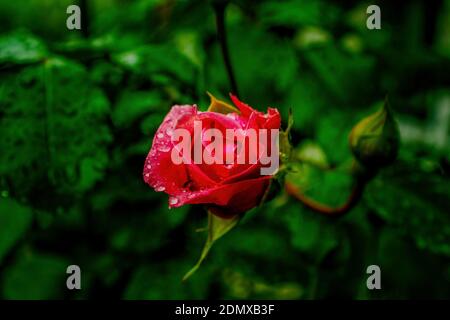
78, 110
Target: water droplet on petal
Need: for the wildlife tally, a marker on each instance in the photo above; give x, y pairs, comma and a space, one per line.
169, 132
160, 135
149, 166
173, 201
160, 189
163, 148
147, 175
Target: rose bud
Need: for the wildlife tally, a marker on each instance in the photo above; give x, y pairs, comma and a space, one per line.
194, 160
374, 141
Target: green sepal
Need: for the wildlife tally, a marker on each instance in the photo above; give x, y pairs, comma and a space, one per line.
217, 227
285, 145
220, 106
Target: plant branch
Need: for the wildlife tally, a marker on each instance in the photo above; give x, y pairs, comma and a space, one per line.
317, 206
219, 9
85, 27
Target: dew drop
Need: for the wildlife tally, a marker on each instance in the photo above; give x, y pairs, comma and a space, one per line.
173, 201
163, 148
160, 189
169, 132
149, 166
147, 175
160, 135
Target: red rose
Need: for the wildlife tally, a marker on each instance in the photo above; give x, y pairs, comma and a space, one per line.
226, 189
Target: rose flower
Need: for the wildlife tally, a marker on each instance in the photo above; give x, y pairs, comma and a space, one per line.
215, 159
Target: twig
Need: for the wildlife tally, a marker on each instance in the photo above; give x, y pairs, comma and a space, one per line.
85, 26
219, 9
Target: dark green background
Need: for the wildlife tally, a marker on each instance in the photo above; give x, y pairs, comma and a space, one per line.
78, 111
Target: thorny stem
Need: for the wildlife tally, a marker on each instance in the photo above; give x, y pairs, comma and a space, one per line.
219, 9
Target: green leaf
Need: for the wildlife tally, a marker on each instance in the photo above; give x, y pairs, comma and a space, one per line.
15, 220
151, 60
308, 101
310, 232
35, 277
133, 105
53, 128
311, 153
297, 13
416, 202
311, 174
217, 227
340, 73
332, 135
248, 243
21, 48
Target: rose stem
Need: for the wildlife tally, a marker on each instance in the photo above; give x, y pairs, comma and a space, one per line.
219, 9
352, 200
85, 27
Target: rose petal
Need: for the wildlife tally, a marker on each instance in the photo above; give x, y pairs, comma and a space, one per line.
245, 109
159, 170
273, 119
240, 196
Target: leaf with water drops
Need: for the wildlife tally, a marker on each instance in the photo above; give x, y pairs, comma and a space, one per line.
420, 212
53, 128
